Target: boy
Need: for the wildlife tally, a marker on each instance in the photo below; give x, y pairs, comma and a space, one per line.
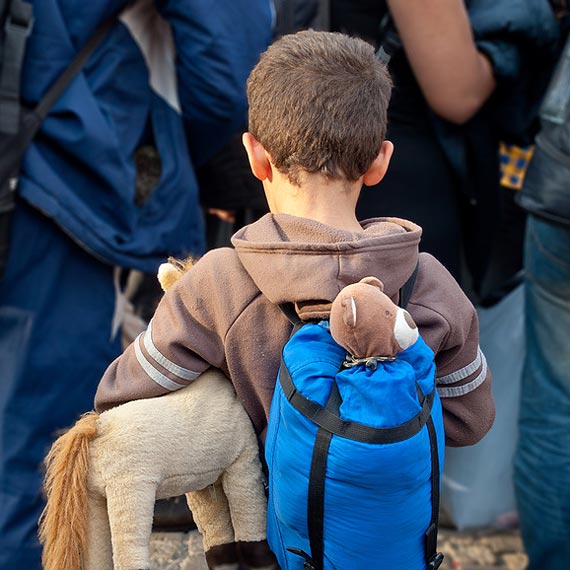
317, 123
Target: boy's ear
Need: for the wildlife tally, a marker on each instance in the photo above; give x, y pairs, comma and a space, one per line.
379, 167
258, 159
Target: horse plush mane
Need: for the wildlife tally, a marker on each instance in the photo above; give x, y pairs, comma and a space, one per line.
104, 475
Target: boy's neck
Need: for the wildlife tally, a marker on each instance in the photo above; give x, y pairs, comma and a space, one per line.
330, 202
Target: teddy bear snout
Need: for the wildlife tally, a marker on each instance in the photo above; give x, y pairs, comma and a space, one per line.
405, 329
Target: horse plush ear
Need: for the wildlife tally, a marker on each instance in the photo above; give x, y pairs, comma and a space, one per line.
169, 273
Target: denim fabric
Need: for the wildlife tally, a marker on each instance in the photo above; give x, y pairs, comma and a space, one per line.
56, 309
542, 462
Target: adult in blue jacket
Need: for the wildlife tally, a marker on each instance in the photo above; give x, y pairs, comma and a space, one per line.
169, 73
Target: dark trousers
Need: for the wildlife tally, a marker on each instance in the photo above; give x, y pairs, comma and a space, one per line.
56, 309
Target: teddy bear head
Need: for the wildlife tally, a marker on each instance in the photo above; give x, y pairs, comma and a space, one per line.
368, 324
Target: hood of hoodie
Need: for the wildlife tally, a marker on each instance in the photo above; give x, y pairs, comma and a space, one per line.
298, 260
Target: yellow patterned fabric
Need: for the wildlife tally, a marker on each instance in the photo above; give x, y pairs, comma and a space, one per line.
514, 163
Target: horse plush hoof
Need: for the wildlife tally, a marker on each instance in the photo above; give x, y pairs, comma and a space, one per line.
256, 556
222, 556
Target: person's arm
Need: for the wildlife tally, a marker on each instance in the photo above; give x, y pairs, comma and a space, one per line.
448, 323
455, 78
183, 339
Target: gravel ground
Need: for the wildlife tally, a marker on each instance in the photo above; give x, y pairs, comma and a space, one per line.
474, 550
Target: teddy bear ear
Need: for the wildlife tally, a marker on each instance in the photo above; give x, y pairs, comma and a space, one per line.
374, 282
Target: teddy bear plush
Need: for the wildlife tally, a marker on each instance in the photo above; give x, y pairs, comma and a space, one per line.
371, 328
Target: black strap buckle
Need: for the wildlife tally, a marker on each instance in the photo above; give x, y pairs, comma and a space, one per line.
15, 27
435, 561
20, 19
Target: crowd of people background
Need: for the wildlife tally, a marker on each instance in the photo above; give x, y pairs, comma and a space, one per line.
469, 80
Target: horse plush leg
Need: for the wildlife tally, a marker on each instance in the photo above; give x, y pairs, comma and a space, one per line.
243, 485
99, 555
130, 505
211, 514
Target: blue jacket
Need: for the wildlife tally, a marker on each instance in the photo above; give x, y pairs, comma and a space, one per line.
80, 170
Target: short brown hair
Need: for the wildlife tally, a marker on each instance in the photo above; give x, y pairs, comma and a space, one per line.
317, 103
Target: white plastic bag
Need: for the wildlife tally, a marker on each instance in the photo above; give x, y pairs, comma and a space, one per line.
478, 481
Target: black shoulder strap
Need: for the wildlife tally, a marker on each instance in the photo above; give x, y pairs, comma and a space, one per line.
288, 309
408, 288
77, 63
56, 89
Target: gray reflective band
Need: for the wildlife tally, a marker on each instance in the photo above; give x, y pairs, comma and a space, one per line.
463, 372
456, 391
182, 373
152, 372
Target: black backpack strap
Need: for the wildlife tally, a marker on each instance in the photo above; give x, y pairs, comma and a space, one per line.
288, 309
17, 25
77, 63
408, 288
316, 491
317, 479
356, 431
434, 558
13, 146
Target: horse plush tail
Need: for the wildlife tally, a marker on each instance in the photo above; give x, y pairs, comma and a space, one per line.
64, 521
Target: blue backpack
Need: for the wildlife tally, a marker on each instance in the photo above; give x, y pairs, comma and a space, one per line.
354, 456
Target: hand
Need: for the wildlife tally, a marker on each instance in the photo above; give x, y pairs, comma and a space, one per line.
224, 215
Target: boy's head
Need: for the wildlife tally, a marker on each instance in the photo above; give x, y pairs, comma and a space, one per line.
317, 104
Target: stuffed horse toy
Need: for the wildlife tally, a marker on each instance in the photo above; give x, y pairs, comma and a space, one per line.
104, 475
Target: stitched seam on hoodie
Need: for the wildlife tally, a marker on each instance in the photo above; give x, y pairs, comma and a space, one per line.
356, 249
241, 312
446, 336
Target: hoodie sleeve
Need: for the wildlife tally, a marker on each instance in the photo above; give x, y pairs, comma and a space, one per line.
449, 325
185, 336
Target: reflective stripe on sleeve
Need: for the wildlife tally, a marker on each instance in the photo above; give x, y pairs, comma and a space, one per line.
462, 373
151, 371
182, 373
452, 392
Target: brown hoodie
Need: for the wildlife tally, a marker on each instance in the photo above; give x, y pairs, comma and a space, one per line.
223, 313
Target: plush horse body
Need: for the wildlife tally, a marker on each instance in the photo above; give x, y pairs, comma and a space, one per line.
104, 475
